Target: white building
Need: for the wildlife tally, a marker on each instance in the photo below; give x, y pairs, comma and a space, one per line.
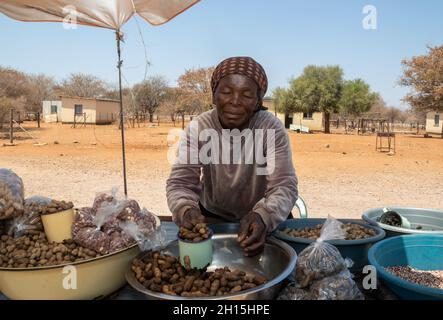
82, 110
434, 122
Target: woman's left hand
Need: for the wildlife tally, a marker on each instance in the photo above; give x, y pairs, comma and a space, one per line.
252, 234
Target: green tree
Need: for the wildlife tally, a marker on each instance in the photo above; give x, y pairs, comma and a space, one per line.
356, 98
318, 89
282, 100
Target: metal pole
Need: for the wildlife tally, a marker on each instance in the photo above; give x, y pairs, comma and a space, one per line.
183, 120
122, 124
11, 126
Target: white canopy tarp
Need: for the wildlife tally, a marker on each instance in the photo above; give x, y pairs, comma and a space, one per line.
112, 14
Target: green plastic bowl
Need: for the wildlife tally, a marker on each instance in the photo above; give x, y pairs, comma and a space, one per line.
200, 253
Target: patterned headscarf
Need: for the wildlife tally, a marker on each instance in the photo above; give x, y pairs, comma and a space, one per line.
241, 65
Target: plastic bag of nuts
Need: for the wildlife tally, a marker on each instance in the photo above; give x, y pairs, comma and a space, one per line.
102, 227
321, 259
11, 194
144, 230
337, 287
291, 292
31, 220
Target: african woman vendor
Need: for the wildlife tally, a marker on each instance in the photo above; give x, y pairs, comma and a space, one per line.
226, 190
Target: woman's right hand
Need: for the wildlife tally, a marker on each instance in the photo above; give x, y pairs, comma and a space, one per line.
192, 217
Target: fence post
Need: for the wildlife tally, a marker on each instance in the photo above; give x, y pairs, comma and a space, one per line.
38, 119
11, 125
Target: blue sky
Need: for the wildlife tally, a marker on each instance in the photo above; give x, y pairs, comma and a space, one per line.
283, 35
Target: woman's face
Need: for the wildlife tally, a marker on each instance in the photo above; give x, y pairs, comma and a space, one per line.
236, 98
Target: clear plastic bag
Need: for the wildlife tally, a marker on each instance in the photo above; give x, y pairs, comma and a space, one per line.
146, 230
340, 286
336, 287
321, 259
104, 198
291, 292
83, 218
11, 195
30, 222
114, 223
91, 238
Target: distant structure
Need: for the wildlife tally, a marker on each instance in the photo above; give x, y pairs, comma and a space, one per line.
313, 121
81, 110
434, 123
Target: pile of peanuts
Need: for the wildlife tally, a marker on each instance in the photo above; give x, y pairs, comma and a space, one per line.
11, 195
53, 207
164, 273
33, 250
199, 233
353, 232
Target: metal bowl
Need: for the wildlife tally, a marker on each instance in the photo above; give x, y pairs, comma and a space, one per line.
275, 263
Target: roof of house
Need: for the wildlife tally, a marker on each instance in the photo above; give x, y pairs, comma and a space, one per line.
84, 98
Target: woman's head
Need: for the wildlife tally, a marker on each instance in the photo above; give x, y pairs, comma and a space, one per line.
238, 87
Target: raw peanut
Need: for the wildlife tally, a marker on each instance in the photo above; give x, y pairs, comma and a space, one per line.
155, 287
180, 271
248, 285
157, 273
167, 290
214, 287
174, 278
236, 289
192, 294
232, 284
259, 280
187, 262
232, 277
188, 284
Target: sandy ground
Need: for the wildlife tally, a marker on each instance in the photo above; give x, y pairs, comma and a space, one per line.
343, 180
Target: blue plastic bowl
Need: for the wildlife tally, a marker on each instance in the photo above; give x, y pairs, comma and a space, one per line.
356, 250
431, 221
424, 252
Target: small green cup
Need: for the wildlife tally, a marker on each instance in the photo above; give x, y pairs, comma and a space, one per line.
200, 253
